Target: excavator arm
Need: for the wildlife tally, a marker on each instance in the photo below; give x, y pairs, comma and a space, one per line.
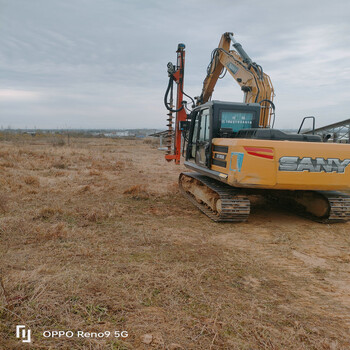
255, 84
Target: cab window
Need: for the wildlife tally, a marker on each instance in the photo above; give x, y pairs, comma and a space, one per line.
236, 120
204, 132
194, 136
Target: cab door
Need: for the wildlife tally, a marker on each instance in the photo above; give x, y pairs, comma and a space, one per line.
203, 140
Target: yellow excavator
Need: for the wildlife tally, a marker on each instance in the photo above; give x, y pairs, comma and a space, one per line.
234, 151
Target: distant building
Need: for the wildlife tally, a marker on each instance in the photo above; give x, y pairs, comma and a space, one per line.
121, 133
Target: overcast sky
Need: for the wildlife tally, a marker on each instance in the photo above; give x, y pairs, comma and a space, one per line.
102, 64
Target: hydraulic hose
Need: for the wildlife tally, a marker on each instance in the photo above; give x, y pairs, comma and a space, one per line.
170, 87
166, 104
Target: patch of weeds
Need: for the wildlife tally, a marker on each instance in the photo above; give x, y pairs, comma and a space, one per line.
32, 181
147, 302
69, 219
199, 309
73, 298
184, 295
48, 212
3, 203
96, 216
119, 345
59, 166
152, 299
95, 313
58, 142
138, 192
238, 284
140, 257
119, 165
319, 271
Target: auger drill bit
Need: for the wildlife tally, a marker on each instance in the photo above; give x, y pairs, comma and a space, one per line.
169, 136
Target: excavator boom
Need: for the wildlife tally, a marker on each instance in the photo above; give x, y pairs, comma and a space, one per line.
255, 84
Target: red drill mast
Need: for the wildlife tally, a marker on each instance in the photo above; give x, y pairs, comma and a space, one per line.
174, 136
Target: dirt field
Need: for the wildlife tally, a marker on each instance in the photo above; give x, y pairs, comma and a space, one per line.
95, 237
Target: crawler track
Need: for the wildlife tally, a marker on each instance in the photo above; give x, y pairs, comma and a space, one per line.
339, 206
221, 202
233, 205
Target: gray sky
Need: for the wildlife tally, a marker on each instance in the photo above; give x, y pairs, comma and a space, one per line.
102, 64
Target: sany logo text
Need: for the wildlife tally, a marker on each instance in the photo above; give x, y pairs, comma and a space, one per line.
313, 165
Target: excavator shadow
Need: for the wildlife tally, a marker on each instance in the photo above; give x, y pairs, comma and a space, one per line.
264, 209
318, 206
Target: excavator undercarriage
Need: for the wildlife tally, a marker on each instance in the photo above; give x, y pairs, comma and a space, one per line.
224, 203
217, 200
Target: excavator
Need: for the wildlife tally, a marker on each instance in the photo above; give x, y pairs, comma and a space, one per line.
234, 152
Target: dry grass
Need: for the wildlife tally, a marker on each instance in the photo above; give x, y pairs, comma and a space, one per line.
96, 237
137, 192
3, 203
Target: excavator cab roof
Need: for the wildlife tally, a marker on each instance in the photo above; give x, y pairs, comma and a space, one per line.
226, 104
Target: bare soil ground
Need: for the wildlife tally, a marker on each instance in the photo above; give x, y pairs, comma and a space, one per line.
95, 237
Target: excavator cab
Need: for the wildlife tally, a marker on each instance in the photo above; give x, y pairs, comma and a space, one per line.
217, 119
